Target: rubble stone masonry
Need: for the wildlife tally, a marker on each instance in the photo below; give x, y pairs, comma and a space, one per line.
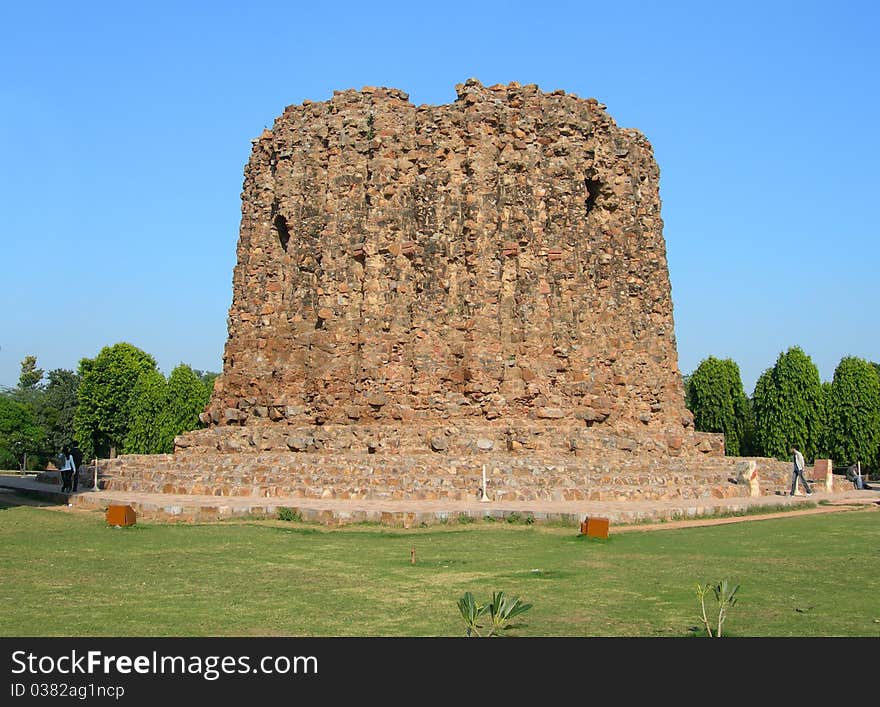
495, 265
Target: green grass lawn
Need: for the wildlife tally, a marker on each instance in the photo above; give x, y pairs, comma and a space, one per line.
69, 574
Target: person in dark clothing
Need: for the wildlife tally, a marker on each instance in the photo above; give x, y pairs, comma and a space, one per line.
66, 471
854, 474
76, 457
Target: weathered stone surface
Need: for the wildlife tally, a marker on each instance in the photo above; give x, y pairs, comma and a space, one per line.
615, 476
500, 258
747, 476
823, 472
300, 444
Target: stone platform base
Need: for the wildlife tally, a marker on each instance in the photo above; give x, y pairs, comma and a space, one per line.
356, 467
410, 512
455, 438
413, 513
614, 475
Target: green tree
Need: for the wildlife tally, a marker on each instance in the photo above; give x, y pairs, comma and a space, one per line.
149, 402
187, 397
854, 413
55, 408
716, 398
105, 395
207, 378
164, 409
28, 390
30, 393
789, 407
30, 376
21, 439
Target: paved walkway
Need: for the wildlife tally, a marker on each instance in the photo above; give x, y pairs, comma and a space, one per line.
408, 512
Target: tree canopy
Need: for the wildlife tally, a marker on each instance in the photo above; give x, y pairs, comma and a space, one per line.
150, 401
718, 402
854, 413
106, 397
19, 434
117, 402
188, 394
30, 376
55, 407
164, 409
789, 407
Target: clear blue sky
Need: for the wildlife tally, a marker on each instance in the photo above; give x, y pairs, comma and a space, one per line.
125, 129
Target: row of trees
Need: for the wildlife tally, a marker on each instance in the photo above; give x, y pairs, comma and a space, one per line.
790, 405
117, 402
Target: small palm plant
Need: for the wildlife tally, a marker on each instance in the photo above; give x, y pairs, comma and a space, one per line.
725, 596
470, 613
501, 611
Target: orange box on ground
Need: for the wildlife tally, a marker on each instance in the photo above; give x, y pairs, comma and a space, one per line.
595, 527
121, 515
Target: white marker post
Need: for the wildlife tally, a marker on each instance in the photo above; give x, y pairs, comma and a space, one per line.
485, 496
95, 484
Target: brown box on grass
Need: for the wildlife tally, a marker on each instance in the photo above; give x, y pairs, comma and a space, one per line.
595, 527
121, 515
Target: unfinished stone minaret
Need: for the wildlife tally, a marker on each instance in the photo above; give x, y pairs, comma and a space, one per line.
495, 261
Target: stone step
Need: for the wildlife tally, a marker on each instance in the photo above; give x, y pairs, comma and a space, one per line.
355, 490
487, 457
463, 480
397, 464
425, 476
604, 493
438, 438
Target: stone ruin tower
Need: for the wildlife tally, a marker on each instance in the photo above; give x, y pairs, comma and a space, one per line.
485, 275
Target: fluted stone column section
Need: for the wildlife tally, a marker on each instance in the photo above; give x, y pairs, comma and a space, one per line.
498, 258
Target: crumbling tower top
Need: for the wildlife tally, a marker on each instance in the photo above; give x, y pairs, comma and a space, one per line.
496, 259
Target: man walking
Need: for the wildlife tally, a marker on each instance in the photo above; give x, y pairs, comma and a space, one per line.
76, 457
797, 471
66, 471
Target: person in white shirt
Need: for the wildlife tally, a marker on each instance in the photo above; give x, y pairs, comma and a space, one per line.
797, 472
66, 471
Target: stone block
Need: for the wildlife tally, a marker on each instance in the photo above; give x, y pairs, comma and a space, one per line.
594, 527
823, 473
121, 515
747, 476
439, 443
